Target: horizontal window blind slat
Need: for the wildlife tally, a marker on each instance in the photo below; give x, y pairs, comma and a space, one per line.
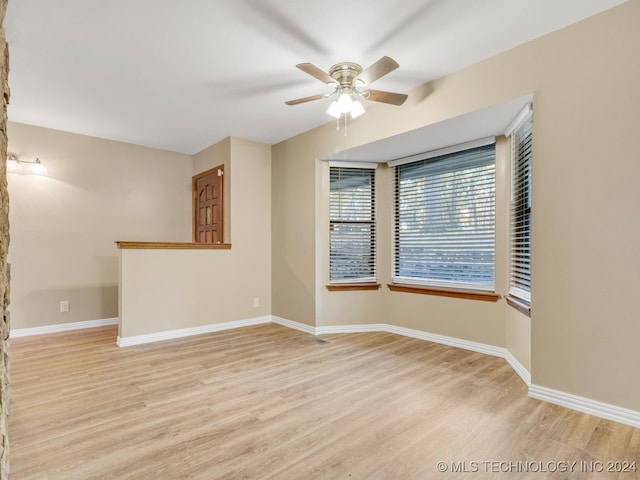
520, 230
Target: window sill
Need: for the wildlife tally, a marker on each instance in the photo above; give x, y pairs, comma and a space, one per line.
445, 292
519, 304
345, 287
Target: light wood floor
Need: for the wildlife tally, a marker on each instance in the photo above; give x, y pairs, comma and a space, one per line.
269, 403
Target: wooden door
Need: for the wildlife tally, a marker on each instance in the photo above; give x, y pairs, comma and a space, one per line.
208, 212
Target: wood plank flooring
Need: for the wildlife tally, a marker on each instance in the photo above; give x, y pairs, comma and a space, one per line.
269, 403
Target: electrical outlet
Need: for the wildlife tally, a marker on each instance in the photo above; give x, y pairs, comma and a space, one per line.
256, 302
64, 306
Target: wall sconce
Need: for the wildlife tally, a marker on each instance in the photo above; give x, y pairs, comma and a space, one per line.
33, 167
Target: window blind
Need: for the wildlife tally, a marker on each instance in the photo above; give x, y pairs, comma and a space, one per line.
520, 242
445, 220
352, 255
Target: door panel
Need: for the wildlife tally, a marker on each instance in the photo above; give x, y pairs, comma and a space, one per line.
207, 206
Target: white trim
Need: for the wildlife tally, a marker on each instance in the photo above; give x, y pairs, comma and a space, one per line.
352, 164
61, 327
188, 332
586, 405
303, 327
520, 369
450, 341
517, 121
363, 328
481, 142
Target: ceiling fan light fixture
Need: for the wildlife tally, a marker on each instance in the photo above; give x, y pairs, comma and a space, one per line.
334, 109
347, 79
356, 109
345, 102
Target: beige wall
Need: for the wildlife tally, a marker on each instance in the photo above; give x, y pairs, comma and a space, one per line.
177, 289
293, 232
64, 225
584, 327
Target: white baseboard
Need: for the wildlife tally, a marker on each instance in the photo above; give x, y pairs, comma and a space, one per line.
520, 369
444, 340
586, 405
188, 332
294, 325
365, 328
61, 327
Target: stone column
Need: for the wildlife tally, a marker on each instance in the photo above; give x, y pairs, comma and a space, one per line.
4, 248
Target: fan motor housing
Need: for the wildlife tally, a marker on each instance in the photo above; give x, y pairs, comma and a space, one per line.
344, 73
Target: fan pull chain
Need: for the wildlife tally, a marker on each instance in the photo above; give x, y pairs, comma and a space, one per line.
345, 124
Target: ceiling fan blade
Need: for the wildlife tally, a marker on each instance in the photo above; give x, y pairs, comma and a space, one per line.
305, 99
314, 71
378, 70
391, 98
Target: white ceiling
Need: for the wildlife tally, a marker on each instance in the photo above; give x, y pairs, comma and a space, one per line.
182, 75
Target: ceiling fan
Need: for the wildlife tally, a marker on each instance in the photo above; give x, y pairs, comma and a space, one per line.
350, 83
